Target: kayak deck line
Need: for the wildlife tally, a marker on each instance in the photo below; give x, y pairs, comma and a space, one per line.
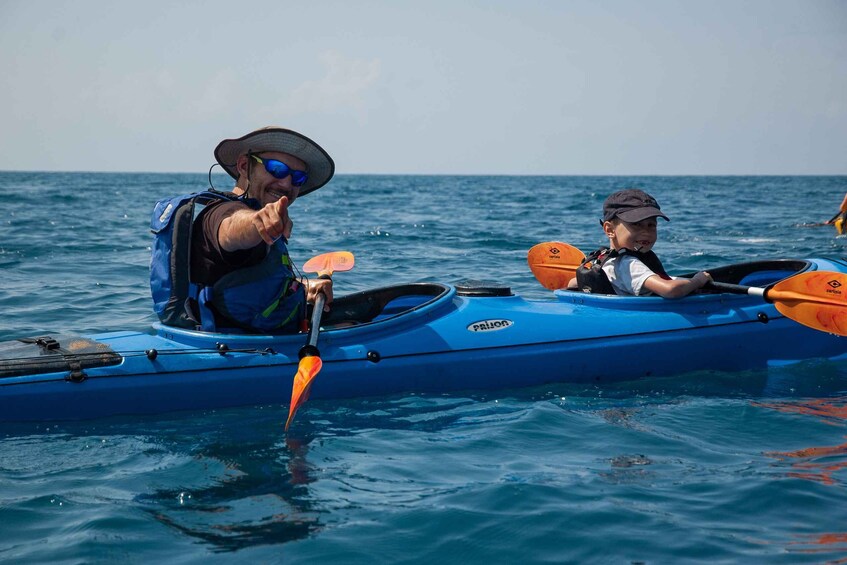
290, 363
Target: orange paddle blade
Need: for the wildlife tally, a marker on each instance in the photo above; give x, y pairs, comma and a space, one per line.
328, 263
309, 368
554, 263
817, 299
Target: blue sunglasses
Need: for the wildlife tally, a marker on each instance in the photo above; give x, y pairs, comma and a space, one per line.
280, 170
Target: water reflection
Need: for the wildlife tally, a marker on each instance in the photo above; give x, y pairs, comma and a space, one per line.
821, 543
818, 463
811, 467
830, 411
250, 484
250, 490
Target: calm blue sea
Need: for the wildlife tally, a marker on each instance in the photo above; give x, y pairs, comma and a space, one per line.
748, 467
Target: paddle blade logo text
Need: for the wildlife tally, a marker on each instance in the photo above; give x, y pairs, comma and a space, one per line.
490, 325
833, 288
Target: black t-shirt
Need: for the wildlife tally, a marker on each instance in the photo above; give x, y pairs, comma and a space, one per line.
209, 262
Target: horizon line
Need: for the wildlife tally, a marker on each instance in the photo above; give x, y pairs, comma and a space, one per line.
224, 174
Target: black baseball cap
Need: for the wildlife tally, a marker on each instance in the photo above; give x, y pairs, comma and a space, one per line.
631, 205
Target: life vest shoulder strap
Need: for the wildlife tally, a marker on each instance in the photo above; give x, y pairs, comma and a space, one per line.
590, 277
653, 263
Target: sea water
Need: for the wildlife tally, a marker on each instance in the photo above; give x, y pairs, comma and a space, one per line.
709, 467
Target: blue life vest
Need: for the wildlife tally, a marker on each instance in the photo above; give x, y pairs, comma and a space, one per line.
264, 298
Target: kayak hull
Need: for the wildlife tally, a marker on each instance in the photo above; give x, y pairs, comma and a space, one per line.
424, 338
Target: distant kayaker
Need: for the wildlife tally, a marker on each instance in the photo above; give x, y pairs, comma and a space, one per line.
238, 255
628, 266
839, 218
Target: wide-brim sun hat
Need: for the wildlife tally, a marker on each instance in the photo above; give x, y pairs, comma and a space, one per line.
320, 164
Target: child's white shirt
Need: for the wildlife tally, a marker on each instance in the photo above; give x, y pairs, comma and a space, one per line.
627, 275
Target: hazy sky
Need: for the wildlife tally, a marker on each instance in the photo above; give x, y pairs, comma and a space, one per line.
452, 86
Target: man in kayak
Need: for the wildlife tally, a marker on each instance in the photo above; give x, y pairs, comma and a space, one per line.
629, 267
238, 245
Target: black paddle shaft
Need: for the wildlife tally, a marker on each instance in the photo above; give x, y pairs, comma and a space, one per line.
311, 348
738, 288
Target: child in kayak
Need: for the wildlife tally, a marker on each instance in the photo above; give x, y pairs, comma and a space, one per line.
628, 266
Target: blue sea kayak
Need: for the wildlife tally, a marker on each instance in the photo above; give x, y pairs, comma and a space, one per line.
421, 337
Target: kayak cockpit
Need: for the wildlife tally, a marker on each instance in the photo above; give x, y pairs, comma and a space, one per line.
381, 304
758, 273
753, 273
386, 307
